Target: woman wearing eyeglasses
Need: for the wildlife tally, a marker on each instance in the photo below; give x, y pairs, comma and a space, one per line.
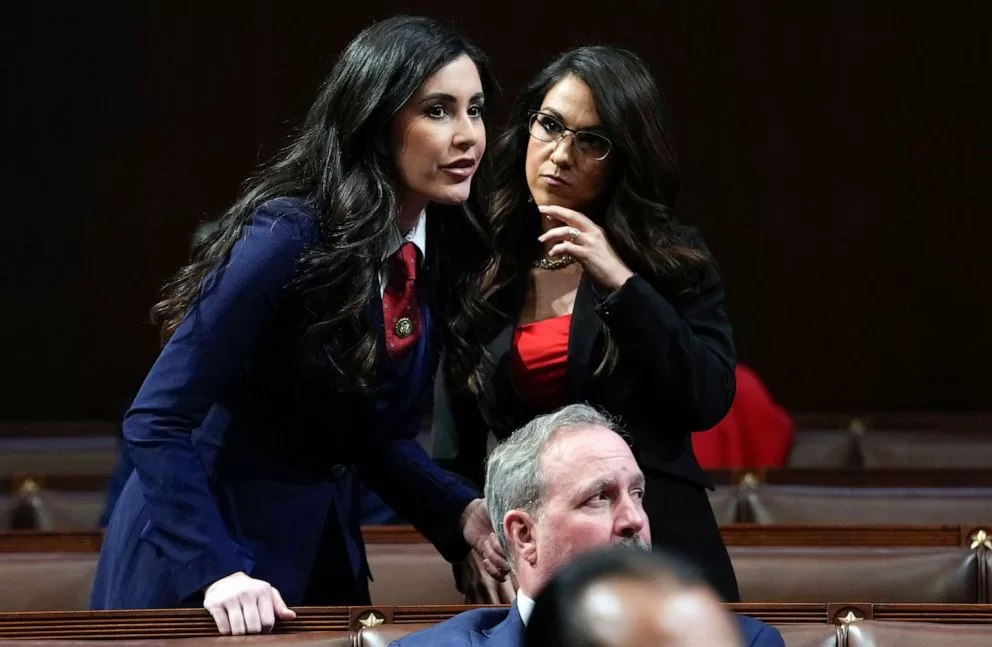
605, 297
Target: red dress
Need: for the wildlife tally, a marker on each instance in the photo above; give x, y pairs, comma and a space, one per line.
756, 432
538, 360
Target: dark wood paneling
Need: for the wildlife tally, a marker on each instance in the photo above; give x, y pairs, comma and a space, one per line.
835, 155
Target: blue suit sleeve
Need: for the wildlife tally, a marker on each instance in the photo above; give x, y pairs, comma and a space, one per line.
758, 634
200, 361
768, 637
411, 483
458, 631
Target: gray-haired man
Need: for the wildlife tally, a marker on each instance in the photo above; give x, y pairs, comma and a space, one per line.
564, 484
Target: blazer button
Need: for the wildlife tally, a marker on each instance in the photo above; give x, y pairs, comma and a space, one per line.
336, 472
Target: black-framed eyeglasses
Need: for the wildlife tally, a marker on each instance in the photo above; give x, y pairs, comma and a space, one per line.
546, 128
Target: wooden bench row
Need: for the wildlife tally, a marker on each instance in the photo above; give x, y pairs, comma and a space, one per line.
67, 502
964, 536
951, 565
188, 623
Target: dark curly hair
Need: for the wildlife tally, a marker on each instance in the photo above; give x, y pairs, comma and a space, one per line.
340, 161
637, 206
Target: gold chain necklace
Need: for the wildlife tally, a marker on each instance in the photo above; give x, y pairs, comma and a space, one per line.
552, 264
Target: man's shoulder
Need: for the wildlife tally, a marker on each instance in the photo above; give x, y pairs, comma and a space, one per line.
758, 634
456, 630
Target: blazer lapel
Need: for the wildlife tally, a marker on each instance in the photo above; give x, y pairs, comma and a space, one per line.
429, 297
582, 335
503, 407
384, 365
500, 402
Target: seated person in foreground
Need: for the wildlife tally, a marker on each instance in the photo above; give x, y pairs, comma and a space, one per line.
564, 485
636, 598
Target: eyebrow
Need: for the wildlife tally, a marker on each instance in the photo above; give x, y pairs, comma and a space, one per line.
639, 480
606, 482
449, 98
602, 484
598, 128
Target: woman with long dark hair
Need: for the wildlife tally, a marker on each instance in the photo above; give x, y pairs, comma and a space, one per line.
605, 297
300, 342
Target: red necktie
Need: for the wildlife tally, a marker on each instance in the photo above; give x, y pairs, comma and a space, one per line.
400, 312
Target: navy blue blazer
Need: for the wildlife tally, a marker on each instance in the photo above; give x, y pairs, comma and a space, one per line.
242, 444
504, 628
497, 627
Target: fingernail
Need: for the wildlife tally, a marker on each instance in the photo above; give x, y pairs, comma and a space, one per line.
542, 207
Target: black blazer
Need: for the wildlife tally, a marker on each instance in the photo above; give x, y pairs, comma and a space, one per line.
675, 373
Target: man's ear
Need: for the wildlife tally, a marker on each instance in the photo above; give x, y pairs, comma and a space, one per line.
521, 535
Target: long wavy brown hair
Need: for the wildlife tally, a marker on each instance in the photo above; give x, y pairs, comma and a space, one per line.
637, 206
341, 162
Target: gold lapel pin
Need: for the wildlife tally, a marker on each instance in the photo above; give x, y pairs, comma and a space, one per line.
403, 327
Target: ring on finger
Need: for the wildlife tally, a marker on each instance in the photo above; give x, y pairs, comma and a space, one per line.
573, 233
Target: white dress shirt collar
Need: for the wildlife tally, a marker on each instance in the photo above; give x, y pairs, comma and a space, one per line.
417, 235
525, 605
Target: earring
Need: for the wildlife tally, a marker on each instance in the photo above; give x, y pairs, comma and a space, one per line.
530, 198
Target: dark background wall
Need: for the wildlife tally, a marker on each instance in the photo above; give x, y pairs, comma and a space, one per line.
836, 156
